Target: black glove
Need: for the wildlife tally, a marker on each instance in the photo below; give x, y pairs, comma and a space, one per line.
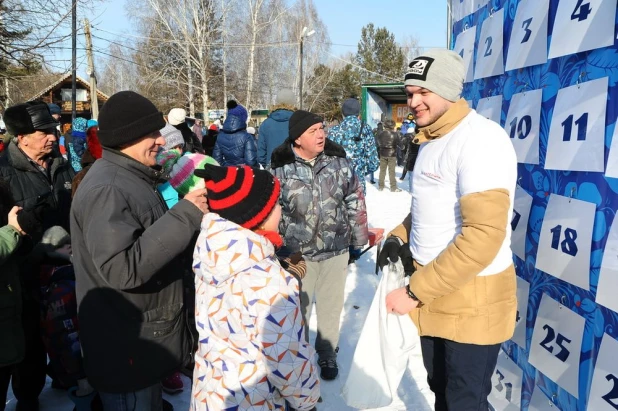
392, 251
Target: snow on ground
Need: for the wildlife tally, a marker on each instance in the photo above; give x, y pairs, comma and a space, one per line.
385, 210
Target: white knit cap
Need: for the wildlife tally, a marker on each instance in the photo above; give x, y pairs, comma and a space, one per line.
251, 130
440, 71
176, 116
173, 137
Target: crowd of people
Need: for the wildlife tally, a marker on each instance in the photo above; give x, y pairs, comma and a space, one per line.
136, 247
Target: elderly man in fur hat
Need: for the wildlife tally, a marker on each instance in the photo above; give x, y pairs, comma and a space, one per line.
40, 183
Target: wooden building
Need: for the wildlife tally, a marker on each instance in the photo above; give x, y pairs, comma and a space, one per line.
60, 93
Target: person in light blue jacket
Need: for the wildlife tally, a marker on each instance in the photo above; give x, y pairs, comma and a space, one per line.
274, 130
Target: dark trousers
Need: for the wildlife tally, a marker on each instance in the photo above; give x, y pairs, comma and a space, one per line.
28, 376
459, 374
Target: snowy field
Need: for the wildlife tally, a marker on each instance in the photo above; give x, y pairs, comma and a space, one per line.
385, 210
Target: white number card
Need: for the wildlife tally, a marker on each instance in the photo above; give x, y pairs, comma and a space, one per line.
556, 344
612, 160
522, 125
528, 44
608, 275
604, 391
506, 382
577, 131
523, 291
490, 107
582, 25
464, 46
489, 55
539, 402
519, 222
566, 239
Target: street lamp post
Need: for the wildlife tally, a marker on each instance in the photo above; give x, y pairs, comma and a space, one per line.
303, 35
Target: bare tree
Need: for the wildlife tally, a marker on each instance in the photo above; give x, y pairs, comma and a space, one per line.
411, 48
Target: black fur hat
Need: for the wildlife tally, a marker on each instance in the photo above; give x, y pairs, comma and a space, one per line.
28, 117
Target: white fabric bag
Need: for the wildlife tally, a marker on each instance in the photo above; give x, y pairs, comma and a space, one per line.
383, 349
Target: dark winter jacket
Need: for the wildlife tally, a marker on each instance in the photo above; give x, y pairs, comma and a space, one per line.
323, 205
12, 342
209, 141
32, 189
411, 155
234, 145
127, 251
388, 140
273, 132
192, 143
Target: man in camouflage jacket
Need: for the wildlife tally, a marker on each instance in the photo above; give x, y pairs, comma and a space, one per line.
357, 139
323, 214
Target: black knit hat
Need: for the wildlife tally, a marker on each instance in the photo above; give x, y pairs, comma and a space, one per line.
241, 194
127, 117
28, 117
300, 121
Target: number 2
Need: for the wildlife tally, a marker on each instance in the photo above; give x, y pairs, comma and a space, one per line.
564, 353
488, 41
584, 11
613, 394
528, 31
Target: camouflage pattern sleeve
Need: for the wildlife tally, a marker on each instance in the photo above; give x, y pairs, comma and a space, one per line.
354, 199
370, 147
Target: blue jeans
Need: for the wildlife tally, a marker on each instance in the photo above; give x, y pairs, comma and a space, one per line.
148, 399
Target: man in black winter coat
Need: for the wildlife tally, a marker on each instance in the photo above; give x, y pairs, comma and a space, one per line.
388, 141
40, 182
128, 251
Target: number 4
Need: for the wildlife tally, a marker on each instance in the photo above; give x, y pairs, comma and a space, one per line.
581, 11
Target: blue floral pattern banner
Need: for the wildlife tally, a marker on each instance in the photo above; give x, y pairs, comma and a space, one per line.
541, 183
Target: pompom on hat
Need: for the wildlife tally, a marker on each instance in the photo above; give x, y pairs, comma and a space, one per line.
180, 169
235, 109
241, 194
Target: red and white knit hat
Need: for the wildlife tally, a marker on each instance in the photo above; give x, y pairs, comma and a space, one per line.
179, 168
241, 194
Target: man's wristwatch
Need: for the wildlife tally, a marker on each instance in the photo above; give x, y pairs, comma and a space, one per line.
411, 294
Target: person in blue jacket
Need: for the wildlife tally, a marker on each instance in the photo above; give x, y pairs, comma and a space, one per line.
274, 130
234, 145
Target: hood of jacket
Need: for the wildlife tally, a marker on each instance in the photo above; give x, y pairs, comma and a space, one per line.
233, 124
225, 249
281, 115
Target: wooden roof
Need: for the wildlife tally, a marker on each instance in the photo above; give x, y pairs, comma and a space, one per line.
81, 81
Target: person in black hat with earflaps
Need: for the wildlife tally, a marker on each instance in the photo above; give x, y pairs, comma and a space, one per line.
324, 218
130, 252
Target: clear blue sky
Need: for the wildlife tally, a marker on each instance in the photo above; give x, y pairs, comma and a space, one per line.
425, 20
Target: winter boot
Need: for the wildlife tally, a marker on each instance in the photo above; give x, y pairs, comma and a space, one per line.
329, 369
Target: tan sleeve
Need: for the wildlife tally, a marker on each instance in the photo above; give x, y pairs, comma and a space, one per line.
402, 230
484, 219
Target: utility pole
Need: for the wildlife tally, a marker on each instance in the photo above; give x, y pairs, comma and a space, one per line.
74, 60
94, 101
303, 35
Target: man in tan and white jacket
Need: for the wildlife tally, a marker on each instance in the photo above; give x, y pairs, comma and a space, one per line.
456, 240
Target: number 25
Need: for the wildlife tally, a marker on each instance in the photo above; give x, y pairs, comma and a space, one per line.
564, 353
